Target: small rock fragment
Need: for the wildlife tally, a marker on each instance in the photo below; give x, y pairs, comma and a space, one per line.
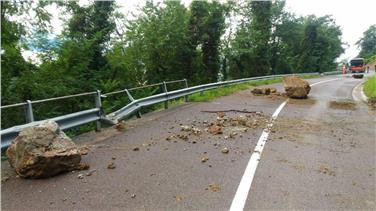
83, 150
80, 176
136, 149
215, 129
169, 138
233, 134
4, 178
120, 126
91, 172
196, 131
204, 159
273, 90
225, 150
215, 187
256, 91
221, 114
178, 198
185, 128
111, 165
83, 166
133, 196
183, 137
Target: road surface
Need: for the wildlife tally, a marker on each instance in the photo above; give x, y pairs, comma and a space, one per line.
319, 155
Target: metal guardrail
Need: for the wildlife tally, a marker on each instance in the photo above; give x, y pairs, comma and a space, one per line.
97, 115
332, 72
65, 122
70, 120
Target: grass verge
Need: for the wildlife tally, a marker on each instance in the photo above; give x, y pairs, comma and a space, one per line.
370, 88
228, 90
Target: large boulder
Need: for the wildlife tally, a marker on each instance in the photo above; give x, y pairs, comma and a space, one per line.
43, 151
296, 87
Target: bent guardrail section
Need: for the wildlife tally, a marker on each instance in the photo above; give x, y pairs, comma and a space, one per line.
97, 115
65, 122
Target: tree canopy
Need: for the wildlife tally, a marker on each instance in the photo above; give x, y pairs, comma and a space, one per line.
367, 43
207, 41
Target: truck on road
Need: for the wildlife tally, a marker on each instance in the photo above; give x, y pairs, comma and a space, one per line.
357, 67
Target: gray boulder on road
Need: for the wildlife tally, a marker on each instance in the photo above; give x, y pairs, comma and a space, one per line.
43, 151
296, 87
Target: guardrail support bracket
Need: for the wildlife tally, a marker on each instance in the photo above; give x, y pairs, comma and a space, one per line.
164, 87
138, 114
29, 112
186, 86
98, 104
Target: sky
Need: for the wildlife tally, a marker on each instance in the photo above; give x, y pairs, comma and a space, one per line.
354, 17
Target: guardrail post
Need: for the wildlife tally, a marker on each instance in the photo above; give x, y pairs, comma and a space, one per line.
186, 86
98, 104
29, 112
164, 87
138, 114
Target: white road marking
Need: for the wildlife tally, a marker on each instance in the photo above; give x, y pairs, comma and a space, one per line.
244, 187
314, 84
358, 94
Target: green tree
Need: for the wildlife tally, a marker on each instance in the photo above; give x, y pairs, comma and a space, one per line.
205, 28
17, 73
251, 50
367, 43
320, 46
260, 35
157, 41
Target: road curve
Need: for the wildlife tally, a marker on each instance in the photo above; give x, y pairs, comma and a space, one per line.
320, 154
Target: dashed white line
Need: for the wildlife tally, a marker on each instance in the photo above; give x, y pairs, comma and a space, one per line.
314, 84
358, 94
241, 194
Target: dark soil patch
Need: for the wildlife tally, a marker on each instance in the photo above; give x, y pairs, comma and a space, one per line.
344, 105
372, 103
307, 101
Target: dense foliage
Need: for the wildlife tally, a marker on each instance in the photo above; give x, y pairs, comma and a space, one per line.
367, 44
204, 42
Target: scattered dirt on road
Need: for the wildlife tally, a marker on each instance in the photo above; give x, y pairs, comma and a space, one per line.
226, 124
295, 129
372, 103
4, 178
111, 165
121, 126
83, 150
215, 187
204, 159
299, 167
263, 91
344, 105
225, 150
269, 92
326, 170
307, 101
215, 129
178, 198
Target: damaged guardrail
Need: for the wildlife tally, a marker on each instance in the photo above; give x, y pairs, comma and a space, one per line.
97, 114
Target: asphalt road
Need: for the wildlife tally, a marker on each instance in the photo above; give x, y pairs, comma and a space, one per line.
320, 155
